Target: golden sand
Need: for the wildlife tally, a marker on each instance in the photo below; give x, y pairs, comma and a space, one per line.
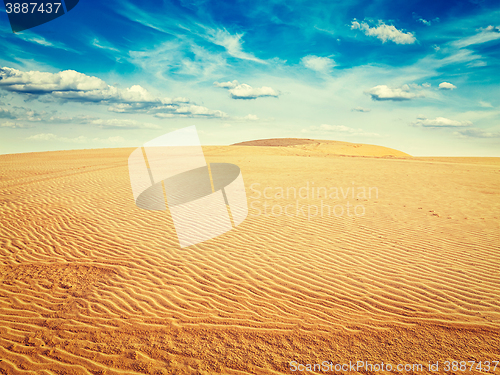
91, 284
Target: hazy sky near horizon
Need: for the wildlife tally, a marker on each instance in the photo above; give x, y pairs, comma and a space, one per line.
422, 77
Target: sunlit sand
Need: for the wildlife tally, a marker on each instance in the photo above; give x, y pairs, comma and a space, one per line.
92, 284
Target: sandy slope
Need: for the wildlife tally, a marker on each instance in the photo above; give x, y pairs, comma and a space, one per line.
90, 284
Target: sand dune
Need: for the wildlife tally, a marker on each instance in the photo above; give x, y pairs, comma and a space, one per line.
311, 146
91, 284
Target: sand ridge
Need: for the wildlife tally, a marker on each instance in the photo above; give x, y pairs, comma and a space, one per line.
91, 284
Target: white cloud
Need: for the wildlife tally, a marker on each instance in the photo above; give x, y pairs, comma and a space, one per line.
232, 44
123, 124
197, 110
109, 140
134, 94
477, 63
440, 122
164, 115
318, 64
75, 86
37, 39
80, 139
384, 32
6, 113
184, 57
43, 82
244, 91
66, 119
22, 114
446, 86
250, 117
383, 92
34, 116
485, 35
417, 18
476, 133
485, 104
458, 56
53, 137
339, 129
98, 44
247, 118
227, 85
11, 124
360, 109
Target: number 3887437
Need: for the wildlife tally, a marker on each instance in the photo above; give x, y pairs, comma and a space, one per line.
33, 7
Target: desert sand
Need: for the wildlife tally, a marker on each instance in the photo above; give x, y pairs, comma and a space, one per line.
92, 284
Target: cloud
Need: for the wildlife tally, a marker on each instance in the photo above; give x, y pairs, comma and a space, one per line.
232, 44
37, 39
171, 25
247, 118
98, 44
227, 85
35, 82
440, 122
123, 124
475, 64
53, 137
180, 56
22, 114
199, 111
133, 94
80, 139
417, 18
339, 129
170, 110
11, 124
360, 109
5, 113
485, 104
384, 32
70, 85
250, 118
319, 64
244, 91
476, 133
383, 92
109, 140
60, 119
485, 35
34, 116
446, 86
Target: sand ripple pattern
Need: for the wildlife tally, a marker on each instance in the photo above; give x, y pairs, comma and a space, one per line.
91, 284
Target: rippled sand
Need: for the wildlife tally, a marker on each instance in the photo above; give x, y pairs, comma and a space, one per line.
91, 284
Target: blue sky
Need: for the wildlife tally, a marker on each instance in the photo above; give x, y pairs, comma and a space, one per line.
419, 76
